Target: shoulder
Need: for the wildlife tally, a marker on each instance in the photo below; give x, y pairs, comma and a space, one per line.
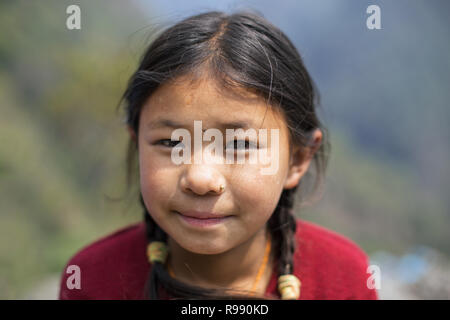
109, 268
333, 265
313, 235
105, 247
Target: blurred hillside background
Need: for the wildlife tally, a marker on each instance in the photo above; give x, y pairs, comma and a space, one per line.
384, 97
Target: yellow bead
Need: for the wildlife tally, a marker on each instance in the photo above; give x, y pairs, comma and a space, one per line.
157, 252
289, 287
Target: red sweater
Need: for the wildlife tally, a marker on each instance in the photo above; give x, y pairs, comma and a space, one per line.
329, 266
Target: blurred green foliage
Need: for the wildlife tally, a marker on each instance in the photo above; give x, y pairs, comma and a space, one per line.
62, 151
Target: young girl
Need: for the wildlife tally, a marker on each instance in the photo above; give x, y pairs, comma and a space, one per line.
222, 229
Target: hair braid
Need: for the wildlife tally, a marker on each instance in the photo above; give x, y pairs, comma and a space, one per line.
153, 233
283, 226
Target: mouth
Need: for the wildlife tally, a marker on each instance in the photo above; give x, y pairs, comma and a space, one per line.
202, 219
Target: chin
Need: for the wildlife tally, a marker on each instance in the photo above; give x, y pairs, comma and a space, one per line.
202, 249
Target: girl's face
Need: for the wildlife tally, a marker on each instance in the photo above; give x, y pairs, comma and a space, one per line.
172, 192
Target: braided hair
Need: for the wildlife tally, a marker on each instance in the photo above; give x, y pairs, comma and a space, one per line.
240, 50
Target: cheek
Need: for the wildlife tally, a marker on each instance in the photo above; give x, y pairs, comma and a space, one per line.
157, 183
256, 193
260, 183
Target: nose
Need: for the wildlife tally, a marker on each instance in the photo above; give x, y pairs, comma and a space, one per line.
202, 179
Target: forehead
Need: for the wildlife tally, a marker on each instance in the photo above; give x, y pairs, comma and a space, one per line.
185, 100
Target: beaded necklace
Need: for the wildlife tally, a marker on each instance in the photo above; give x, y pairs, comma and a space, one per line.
288, 284
260, 270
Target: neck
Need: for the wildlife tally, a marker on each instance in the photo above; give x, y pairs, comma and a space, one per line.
235, 268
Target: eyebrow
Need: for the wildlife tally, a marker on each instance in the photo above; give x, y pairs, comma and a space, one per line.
162, 123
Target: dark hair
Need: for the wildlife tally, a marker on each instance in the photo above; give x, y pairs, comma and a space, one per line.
240, 50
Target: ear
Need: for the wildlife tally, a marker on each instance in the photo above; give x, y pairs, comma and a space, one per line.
300, 160
132, 134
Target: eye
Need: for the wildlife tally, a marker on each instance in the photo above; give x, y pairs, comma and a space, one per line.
241, 145
170, 143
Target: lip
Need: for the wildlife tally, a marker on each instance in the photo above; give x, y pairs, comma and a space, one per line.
202, 215
202, 219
